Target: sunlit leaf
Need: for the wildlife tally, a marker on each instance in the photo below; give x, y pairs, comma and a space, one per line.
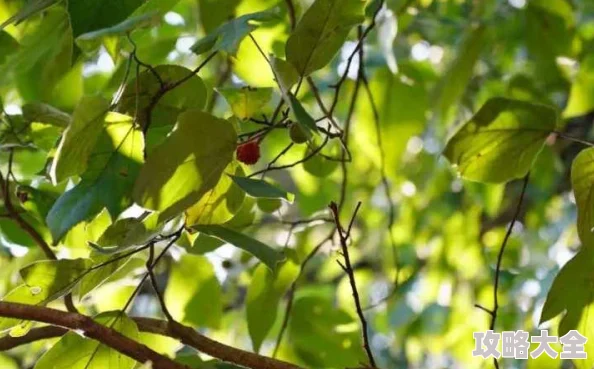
45, 281
581, 97
108, 180
187, 165
79, 139
186, 302
571, 293
321, 32
139, 92
28, 10
501, 141
218, 205
246, 102
582, 181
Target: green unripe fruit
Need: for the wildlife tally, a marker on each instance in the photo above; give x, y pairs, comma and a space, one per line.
297, 134
269, 205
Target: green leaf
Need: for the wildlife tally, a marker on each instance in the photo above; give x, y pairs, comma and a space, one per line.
138, 94
263, 296
36, 201
581, 96
74, 351
259, 188
8, 46
228, 36
246, 102
45, 113
501, 141
453, 84
318, 165
213, 13
88, 16
269, 205
320, 341
79, 139
54, 278
187, 165
572, 293
128, 232
286, 75
321, 32
200, 302
108, 181
91, 41
402, 105
45, 281
31, 7
44, 56
582, 181
264, 253
152, 6
307, 123
221, 203
100, 275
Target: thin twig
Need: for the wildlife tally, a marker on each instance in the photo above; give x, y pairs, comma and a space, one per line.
291, 11
494, 311
293, 288
149, 268
306, 158
277, 157
574, 139
348, 269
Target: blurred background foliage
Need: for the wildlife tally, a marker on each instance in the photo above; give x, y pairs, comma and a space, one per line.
430, 64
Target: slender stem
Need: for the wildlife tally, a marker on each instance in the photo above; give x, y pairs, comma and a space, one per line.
348, 269
510, 228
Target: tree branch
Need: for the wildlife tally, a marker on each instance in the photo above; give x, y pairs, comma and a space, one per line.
91, 329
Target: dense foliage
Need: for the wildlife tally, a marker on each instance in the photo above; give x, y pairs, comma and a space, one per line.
326, 183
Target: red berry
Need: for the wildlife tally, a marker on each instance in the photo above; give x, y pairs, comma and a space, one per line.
248, 152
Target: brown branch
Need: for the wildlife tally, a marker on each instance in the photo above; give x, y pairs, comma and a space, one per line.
186, 335
493, 312
16, 216
28, 228
291, 11
35, 334
348, 269
91, 329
